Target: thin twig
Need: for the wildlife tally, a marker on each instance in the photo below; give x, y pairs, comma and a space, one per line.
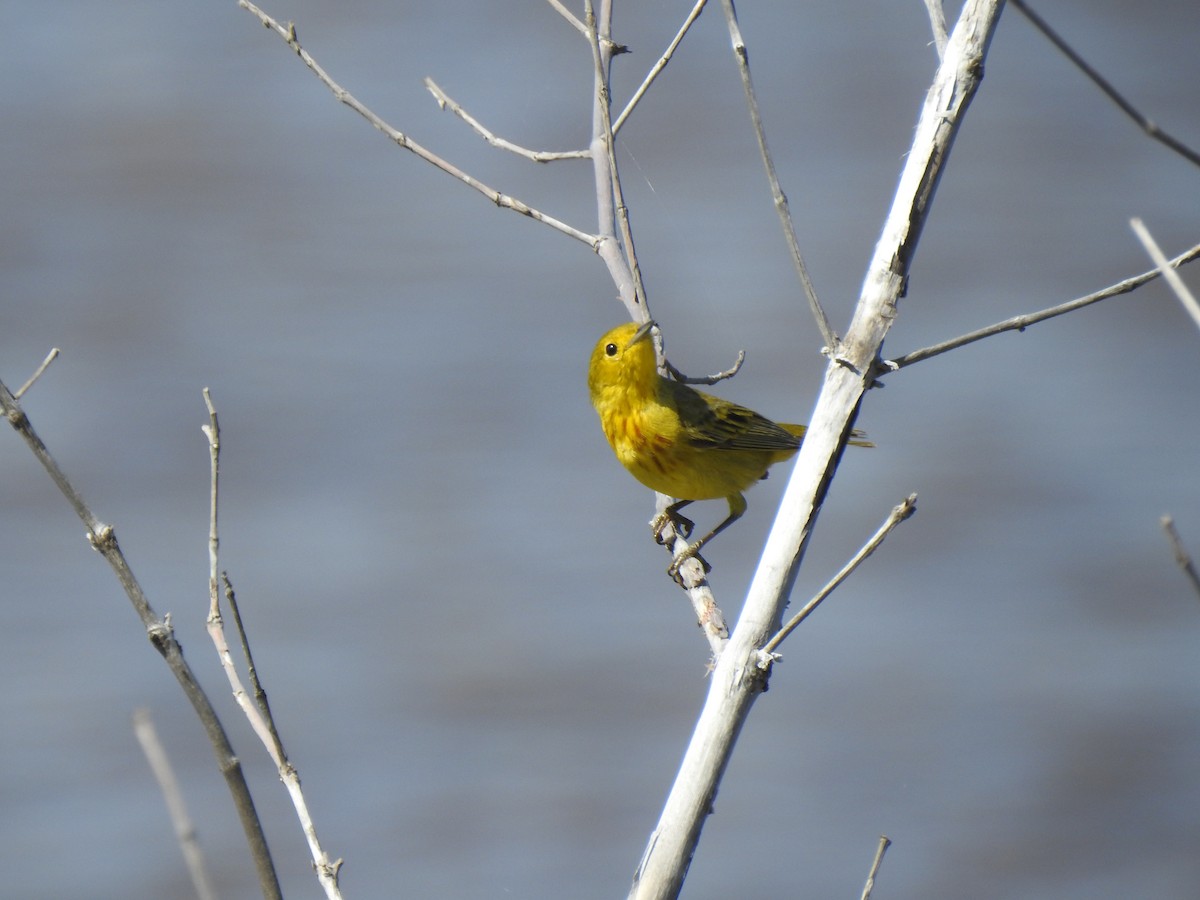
1146, 124
602, 126
937, 21
260, 693
164, 774
1181, 554
212, 431
899, 513
569, 16
660, 65
780, 198
1185, 296
1020, 323
444, 101
884, 843
288, 35
50, 357
708, 379
327, 870
103, 539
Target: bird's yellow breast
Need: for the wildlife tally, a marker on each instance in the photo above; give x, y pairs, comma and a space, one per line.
652, 443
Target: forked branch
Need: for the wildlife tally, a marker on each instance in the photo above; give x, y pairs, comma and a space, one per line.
256, 710
103, 539
504, 201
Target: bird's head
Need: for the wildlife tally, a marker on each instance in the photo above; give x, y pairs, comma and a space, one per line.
623, 362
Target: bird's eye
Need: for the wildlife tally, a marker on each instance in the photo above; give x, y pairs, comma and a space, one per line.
610, 349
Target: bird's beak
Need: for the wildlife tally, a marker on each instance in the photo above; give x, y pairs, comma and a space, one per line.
642, 333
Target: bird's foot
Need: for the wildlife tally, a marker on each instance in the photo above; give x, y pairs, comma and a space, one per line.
692, 551
682, 524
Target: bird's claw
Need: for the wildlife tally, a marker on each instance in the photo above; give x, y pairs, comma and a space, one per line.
682, 524
692, 551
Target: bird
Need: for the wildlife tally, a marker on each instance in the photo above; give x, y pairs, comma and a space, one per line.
679, 441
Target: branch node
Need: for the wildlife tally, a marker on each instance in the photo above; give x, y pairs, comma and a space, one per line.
102, 539
161, 633
767, 658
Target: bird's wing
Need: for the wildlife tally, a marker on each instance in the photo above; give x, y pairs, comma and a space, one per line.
713, 423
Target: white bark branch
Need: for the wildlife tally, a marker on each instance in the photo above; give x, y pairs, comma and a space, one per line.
1185, 296
737, 681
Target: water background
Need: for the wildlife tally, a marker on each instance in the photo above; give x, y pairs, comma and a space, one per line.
476, 660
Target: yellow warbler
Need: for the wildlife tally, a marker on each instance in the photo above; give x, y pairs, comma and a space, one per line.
677, 440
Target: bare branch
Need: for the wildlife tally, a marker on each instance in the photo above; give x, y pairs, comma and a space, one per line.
569, 16
694, 580
288, 35
884, 843
50, 357
103, 539
737, 680
164, 774
1111, 92
1186, 297
258, 712
709, 379
1181, 554
612, 48
1020, 323
660, 65
937, 21
899, 513
781, 202
445, 102
613, 214
212, 431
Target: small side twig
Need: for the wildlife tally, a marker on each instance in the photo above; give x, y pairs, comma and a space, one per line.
256, 712
781, 201
708, 379
260, 693
50, 357
693, 579
937, 21
1020, 323
902, 511
1146, 124
660, 65
569, 16
504, 201
444, 101
1181, 554
1185, 296
164, 774
884, 843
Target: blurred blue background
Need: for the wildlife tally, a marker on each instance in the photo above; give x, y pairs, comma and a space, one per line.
476, 660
